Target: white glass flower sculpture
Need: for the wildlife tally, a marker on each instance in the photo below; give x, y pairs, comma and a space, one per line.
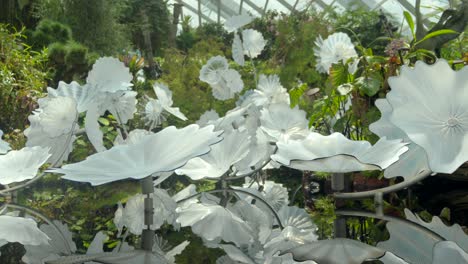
253, 42
429, 106
109, 75
230, 84
213, 222
156, 108
212, 71
415, 246
275, 194
338, 250
269, 91
121, 104
4, 146
337, 47
57, 245
52, 126
282, 123
225, 82
219, 160
207, 118
412, 162
21, 165
259, 153
166, 150
133, 137
336, 153
260, 221
82, 95
21, 230
238, 50
132, 215
235, 22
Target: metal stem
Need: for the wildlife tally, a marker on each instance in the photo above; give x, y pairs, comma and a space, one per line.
148, 234
393, 188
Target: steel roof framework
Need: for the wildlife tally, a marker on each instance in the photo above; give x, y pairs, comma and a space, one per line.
211, 11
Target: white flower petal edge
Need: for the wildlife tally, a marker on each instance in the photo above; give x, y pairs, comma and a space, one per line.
412, 162
167, 150
339, 155
429, 105
21, 230
21, 165
4, 146
233, 148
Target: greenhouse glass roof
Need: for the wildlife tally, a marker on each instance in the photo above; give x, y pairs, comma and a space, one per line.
203, 11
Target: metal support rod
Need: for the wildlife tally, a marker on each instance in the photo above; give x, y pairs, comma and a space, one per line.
339, 224
378, 203
339, 227
265, 7
218, 2
393, 188
199, 13
241, 5
148, 234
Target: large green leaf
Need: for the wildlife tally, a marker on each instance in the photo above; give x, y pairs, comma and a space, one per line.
369, 85
409, 20
296, 93
436, 33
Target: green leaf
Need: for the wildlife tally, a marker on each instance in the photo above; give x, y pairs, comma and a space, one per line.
369, 85
409, 20
296, 93
338, 74
422, 53
103, 121
437, 33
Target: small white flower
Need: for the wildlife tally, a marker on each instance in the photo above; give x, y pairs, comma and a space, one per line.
269, 91
21, 165
156, 109
109, 75
207, 118
337, 47
212, 71
254, 43
229, 84
235, 22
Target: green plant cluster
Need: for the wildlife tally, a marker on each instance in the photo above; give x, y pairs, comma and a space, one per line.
23, 77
